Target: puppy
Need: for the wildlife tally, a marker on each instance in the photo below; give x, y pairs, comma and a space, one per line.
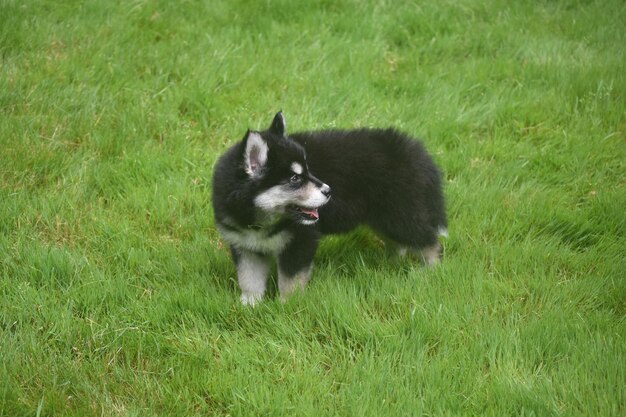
275, 195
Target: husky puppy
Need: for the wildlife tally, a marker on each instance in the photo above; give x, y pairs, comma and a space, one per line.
275, 195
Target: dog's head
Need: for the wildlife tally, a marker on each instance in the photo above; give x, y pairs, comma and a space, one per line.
277, 167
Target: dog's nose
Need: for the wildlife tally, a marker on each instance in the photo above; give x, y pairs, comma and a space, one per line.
325, 190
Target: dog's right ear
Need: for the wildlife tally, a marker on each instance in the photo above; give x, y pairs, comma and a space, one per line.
279, 125
255, 155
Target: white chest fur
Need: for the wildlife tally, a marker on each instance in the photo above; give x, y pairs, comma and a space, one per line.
256, 240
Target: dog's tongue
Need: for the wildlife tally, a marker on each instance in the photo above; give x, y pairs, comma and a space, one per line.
310, 212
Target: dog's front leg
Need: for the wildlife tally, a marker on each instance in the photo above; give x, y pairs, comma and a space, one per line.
295, 264
290, 283
252, 272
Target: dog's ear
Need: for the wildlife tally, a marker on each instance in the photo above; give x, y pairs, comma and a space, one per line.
255, 155
279, 125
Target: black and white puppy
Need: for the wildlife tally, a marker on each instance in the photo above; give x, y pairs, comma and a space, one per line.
275, 196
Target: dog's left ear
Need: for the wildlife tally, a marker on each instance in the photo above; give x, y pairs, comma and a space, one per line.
255, 154
279, 125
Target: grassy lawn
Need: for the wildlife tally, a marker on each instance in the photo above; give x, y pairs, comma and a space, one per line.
117, 297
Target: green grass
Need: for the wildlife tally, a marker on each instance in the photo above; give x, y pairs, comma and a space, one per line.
117, 297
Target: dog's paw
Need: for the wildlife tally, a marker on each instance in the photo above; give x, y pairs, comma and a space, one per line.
251, 299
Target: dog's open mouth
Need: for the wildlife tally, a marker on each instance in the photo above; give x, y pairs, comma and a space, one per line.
305, 213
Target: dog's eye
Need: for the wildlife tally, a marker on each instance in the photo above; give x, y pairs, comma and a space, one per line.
295, 179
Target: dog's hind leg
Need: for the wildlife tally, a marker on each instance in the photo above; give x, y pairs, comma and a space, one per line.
423, 241
252, 273
430, 255
393, 248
